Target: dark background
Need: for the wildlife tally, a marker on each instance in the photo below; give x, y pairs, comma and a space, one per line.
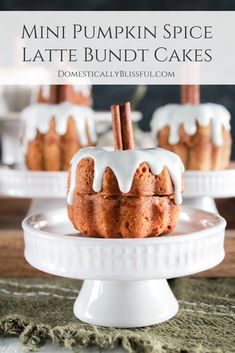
155, 96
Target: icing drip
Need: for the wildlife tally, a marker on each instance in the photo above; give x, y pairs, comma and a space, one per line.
38, 116
173, 115
124, 165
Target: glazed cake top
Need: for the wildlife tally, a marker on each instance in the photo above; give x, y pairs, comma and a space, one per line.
124, 165
189, 115
37, 117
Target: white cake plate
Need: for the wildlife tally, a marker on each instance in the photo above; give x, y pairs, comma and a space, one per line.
125, 279
46, 189
202, 187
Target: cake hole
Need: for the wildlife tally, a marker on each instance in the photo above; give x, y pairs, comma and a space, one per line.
127, 225
169, 227
144, 170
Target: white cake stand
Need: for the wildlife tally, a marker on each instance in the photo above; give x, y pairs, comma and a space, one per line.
125, 279
202, 187
46, 189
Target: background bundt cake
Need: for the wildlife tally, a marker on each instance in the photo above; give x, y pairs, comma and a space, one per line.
130, 193
53, 132
198, 133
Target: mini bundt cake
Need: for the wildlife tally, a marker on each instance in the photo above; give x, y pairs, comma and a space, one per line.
132, 193
198, 133
53, 133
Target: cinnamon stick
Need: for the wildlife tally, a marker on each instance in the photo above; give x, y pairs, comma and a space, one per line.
53, 94
116, 124
57, 94
61, 95
190, 94
122, 127
126, 125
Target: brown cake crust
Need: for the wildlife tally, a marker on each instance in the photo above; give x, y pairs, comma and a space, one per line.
144, 182
148, 209
34, 155
52, 152
198, 152
123, 216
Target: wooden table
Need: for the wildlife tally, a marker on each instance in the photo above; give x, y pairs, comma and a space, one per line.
13, 264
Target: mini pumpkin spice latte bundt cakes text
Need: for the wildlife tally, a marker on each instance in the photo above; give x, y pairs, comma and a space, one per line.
126, 192
198, 133
56, 128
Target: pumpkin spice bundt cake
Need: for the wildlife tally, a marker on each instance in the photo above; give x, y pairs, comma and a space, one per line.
126, 192
198, 133
54, 131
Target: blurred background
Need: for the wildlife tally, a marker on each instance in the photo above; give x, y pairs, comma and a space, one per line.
146, 100
105, 5
154, 96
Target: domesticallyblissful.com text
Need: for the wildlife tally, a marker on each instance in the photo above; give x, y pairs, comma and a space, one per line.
115, 74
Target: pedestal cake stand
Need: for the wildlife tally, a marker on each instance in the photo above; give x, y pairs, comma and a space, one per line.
202, 187
46, 189
125, 279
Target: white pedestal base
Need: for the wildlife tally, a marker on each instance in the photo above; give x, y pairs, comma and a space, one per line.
202, 187
125, 279
205, 203
125, 303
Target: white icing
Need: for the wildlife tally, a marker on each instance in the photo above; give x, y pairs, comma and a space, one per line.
124, 165
173, 115
46, 91
38, 116
85, 90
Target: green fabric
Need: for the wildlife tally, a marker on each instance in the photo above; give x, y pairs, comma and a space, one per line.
38, 309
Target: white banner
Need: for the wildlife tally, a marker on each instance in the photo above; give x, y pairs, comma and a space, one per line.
117, 47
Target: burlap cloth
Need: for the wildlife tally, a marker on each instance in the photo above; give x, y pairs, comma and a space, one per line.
37, 310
